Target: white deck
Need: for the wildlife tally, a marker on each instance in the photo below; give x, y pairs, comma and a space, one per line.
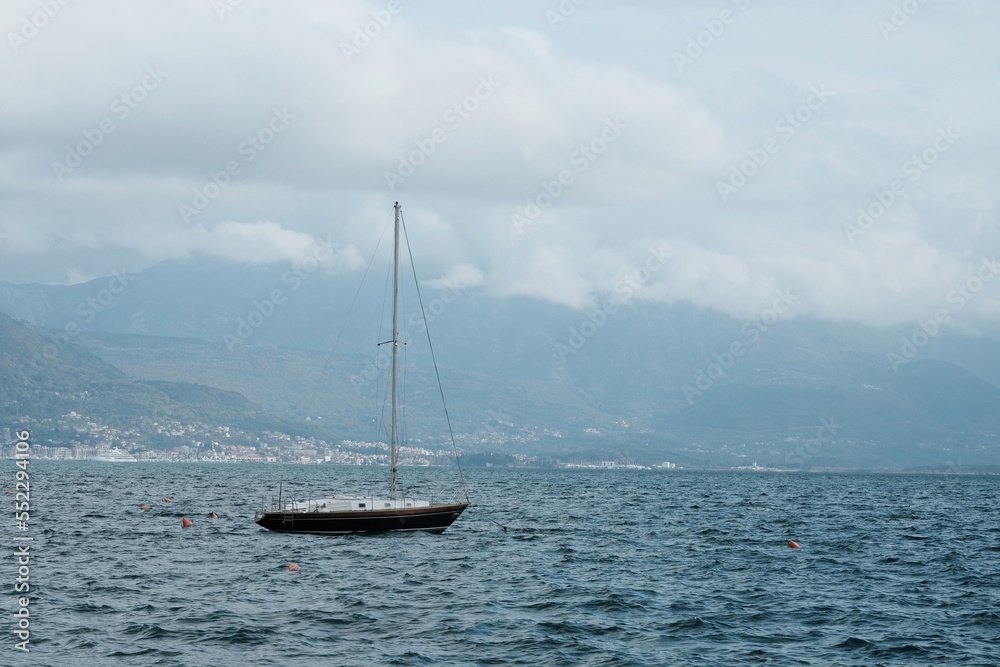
352, 504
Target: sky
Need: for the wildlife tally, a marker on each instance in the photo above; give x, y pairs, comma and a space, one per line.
715, 153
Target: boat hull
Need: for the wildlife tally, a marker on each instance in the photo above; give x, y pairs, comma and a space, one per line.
435, 519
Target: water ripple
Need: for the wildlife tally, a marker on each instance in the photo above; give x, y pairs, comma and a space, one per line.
596, 568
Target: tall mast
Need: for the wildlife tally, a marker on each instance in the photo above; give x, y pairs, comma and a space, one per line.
394, 449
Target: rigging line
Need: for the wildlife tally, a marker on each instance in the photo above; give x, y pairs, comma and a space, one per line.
380, 400
329, 356
402, 403
490, 519
382, 403
437, 374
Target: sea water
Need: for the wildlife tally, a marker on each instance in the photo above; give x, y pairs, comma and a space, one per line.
594, 568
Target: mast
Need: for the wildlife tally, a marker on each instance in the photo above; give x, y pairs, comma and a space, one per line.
394, 446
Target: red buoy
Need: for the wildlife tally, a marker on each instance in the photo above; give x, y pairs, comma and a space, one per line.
293, 567
792, 544
186, 522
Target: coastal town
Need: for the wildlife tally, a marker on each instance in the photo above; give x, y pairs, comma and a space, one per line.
76, 438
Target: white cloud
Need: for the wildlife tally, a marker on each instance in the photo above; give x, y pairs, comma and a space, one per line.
552, 92
252, 243
459, 276
259, 242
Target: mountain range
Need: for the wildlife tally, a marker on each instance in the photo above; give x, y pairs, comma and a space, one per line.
266, 348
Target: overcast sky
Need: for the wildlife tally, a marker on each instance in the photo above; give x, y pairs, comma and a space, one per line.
743, 135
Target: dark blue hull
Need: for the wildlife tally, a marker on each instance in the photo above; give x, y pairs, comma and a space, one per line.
435, 519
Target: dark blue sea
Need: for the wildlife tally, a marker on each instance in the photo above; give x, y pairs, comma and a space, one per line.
595, 568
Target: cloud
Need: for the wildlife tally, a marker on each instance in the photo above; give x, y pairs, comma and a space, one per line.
549, 274
459, 276
252, 243
479, 110
258, 242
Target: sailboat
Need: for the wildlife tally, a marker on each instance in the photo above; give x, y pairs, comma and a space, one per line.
368, 514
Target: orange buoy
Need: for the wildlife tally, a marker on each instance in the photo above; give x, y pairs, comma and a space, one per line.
186, 522
213, 515
792, 544
166, 500
293, 567
144, 507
